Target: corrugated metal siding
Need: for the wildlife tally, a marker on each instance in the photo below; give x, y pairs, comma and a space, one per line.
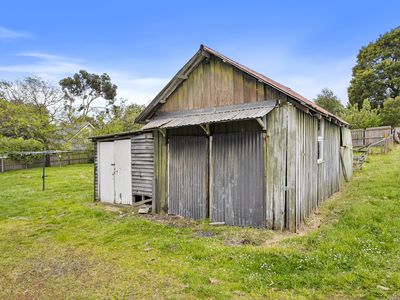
142, 164
237, 186
188, 176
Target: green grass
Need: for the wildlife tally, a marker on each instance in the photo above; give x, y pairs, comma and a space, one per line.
59, 244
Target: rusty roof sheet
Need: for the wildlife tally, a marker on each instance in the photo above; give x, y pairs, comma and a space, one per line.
215, 115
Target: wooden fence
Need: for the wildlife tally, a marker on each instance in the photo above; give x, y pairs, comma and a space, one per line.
52, 160
364, 137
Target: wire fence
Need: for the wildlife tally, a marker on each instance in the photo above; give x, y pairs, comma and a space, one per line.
54, 158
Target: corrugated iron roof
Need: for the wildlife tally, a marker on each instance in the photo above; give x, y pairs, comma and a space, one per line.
198, 57
117, 135
214, 115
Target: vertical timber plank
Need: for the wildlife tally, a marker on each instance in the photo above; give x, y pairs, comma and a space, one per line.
291, 168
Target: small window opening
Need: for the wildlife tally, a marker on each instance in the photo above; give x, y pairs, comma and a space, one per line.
320, 141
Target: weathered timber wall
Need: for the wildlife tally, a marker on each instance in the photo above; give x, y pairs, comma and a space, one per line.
296, 183
328, 170
160, 186
276, 156
215, 83
306, 167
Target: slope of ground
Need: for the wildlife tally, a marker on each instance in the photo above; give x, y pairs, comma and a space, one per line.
58, 244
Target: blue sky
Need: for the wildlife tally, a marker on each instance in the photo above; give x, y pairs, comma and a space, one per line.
306, 45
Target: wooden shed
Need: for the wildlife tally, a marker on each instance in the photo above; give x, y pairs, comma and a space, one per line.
236, 147
123, 167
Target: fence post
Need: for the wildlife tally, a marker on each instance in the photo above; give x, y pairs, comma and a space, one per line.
2, 165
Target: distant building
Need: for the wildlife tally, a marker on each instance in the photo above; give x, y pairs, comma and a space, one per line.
76, 136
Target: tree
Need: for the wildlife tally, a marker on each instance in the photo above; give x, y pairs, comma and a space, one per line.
390, 113
83, 90
9, 146
364, 118
20, 120
119, 119
41, 95
328, 100
376, 76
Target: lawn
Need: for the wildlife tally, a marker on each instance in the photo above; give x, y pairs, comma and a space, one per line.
59, 244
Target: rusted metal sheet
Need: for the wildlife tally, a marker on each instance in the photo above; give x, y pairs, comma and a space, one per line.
214, 115
188, 176
238, 185
142, 164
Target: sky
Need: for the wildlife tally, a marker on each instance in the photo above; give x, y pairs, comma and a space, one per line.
306, 45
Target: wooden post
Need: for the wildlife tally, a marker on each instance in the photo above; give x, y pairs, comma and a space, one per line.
160, 189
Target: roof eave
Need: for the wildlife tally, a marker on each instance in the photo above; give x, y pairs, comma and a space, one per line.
205, 52
179, 77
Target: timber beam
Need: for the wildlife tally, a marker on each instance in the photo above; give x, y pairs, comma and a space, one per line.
206, 128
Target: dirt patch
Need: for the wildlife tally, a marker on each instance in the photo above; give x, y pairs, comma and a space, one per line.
206, 234
236, 236
171, 220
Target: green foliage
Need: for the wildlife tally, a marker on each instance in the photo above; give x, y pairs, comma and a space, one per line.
328, 100
79, 250
120, 119
376, 75
81, 92
390, 113
20, 120
364, 118
39, 94
10, 145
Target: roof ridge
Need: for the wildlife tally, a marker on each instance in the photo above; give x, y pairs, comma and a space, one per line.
205, 51
273, 83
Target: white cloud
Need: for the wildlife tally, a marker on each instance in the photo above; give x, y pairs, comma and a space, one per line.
140, 90
304, 75
55, 67
6, 33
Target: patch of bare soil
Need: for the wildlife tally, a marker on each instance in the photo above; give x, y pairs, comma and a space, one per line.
233, 236
171, 220
313, 223
206, 234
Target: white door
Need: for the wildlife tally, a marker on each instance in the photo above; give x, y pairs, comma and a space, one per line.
123, 172
106, 171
